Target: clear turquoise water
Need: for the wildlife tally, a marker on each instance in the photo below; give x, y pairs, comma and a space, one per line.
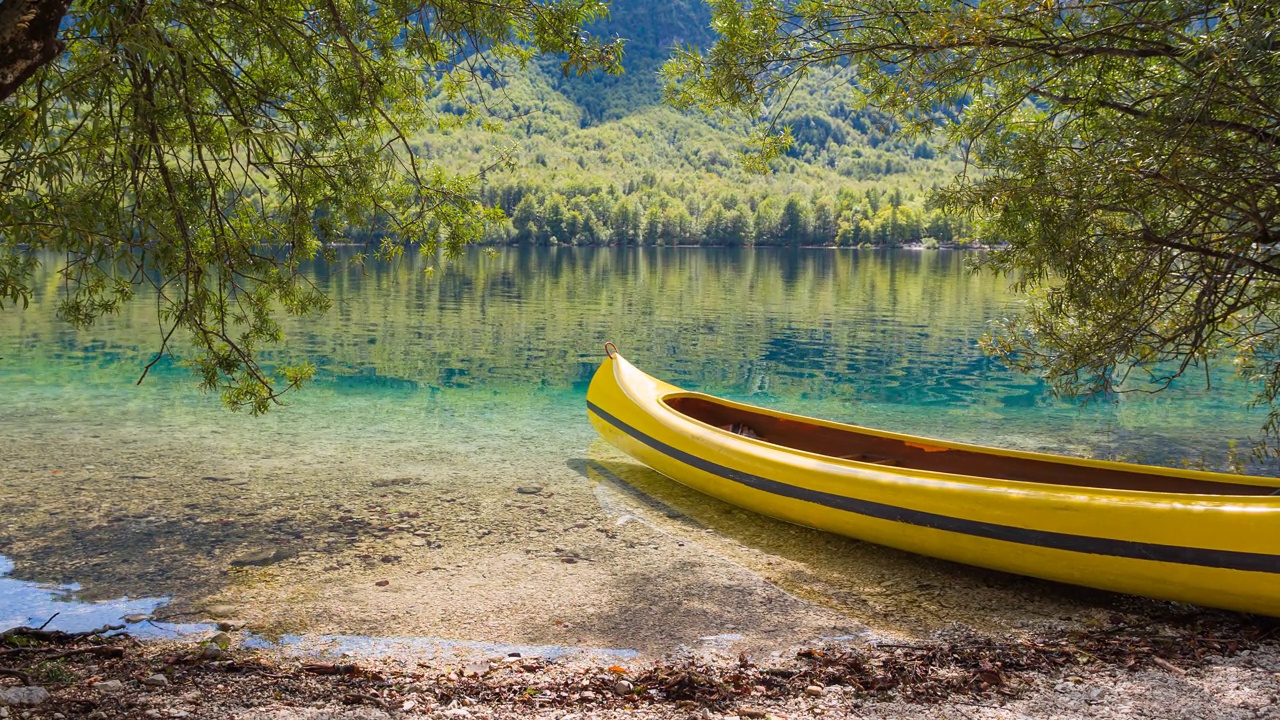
874, 337
476, 376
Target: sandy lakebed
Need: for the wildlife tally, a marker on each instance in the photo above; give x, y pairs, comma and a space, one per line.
418, 562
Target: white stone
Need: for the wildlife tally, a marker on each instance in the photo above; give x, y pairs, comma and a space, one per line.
109, 686
29, 696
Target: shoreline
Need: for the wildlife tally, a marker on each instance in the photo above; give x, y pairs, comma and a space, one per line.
1199, 664
602, 554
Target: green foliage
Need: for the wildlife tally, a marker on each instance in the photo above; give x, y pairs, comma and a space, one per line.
1127, 152
650, 29
657, 176
208, 149
52, 672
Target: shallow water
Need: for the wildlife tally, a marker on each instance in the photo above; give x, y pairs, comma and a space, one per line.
444, 449
56, 608
26, 604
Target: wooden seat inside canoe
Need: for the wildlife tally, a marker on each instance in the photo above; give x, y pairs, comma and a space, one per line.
848, 444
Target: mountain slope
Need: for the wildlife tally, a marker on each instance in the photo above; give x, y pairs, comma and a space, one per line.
600, 159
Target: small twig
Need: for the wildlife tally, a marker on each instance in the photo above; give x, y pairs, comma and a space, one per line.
55, 635
46, 622
330, 668
166, 618
25, 678
103, 651
362, 697
1167, 665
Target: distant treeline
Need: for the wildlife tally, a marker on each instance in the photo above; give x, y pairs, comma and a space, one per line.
649, 212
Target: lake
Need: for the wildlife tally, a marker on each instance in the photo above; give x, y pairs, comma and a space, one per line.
439, 479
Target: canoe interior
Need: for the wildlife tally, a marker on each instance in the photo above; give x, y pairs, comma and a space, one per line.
850, 444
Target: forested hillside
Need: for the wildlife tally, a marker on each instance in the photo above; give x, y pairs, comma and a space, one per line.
601, 159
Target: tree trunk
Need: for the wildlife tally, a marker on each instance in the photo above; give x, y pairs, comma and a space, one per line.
28, 39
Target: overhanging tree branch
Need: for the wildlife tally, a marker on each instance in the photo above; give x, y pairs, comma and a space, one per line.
1126, 157
28, 39
208, 149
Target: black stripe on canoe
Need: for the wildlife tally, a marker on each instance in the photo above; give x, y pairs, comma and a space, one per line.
1226, 559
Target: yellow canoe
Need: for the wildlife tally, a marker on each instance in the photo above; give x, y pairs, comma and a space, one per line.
1198, 537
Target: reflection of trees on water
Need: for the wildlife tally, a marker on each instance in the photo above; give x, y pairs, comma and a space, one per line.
736, 320
894, 327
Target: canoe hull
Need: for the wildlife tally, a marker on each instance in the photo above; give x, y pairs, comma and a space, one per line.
1217, 551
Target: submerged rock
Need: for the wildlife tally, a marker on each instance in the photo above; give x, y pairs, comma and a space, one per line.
221, 611
261, 558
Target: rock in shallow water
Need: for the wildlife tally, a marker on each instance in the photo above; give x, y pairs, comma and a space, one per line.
261, 558
221, 611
